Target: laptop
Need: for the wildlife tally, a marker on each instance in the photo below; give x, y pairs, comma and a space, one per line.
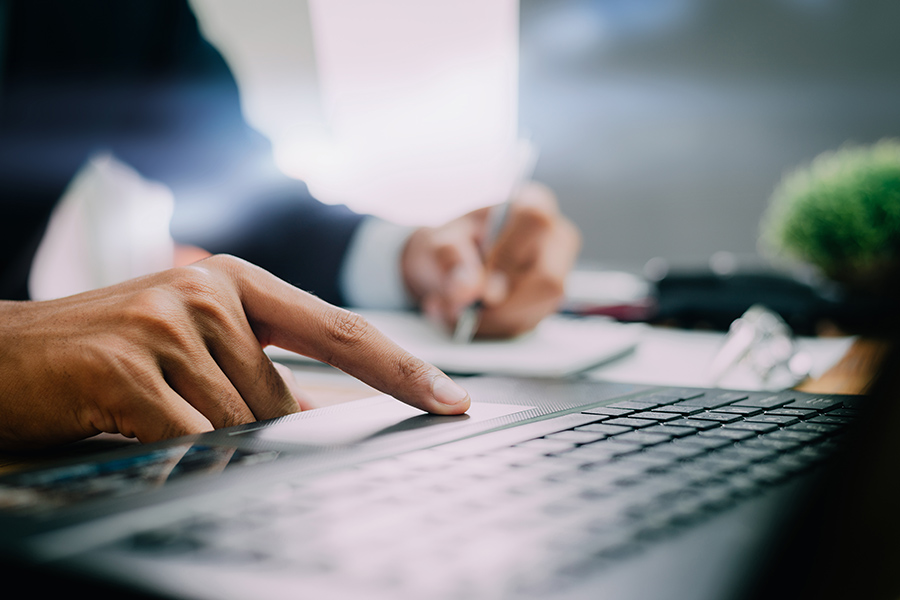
548, 488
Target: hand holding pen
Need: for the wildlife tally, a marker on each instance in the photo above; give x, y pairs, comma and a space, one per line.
469, 319
510, 261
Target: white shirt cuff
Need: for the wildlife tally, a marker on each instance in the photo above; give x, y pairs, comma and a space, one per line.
371, 275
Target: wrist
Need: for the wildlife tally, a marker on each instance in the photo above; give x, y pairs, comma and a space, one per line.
412, 257
372, 273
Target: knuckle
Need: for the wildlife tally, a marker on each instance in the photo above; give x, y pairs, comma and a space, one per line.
514, 259
230, 414
346, 328
205, 295
410, 367
534, 219
195, 282
157, 315
154, 307
223, 270
225, 262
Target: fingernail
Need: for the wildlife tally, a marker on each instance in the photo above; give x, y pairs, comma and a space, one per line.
496, 287
448, 392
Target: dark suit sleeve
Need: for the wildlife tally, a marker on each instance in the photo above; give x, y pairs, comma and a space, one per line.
138, 80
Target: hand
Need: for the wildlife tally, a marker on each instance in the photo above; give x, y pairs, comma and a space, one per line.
181, 352
520, 281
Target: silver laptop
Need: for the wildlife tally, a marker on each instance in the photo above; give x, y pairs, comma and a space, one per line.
547, 489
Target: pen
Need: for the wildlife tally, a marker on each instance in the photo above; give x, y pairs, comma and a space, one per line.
471, 315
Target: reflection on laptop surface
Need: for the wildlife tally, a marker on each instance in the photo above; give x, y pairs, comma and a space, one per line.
547, 489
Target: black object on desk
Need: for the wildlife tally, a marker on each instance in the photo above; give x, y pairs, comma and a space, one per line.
703, 298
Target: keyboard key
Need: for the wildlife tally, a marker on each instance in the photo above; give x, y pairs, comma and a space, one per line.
680, 409
685, 393
830, 419
716, 416
854, 402
800, 413
607, 411
691, 473
765, 441
545, 446
790, 463
708, 443
813, 454
820, 428
661, 398
817, 403
697, 424
630, 422
643, 438
741, 485
618, 448
849, 413
604, 428
601, 452
752, 426
731, 434
747, 454
648, 461
656, 416
791, 435
637, 405
738, 410
766, 402
597, 418
671, 430
781, 420
717, 464
576, 437
715, 400
766, 473
677, 451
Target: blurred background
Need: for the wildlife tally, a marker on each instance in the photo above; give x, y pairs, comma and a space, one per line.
663, 125
666, 124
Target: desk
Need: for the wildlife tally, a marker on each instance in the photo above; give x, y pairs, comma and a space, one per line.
853, 373
325, 385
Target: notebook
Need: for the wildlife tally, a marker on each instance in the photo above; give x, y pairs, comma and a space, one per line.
547, 488
558, 346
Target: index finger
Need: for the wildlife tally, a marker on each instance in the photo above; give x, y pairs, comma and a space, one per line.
289, 318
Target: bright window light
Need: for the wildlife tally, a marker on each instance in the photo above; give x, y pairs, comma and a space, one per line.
406, 109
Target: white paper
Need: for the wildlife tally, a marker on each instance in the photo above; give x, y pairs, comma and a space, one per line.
559, 346
681, 357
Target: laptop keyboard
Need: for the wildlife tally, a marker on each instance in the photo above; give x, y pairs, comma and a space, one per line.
445, 522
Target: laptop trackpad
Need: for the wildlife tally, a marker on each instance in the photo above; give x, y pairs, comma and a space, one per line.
374, 418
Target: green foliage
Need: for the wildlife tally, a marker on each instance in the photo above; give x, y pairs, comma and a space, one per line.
841, 213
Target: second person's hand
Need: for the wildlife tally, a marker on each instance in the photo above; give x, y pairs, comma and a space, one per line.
519, 282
